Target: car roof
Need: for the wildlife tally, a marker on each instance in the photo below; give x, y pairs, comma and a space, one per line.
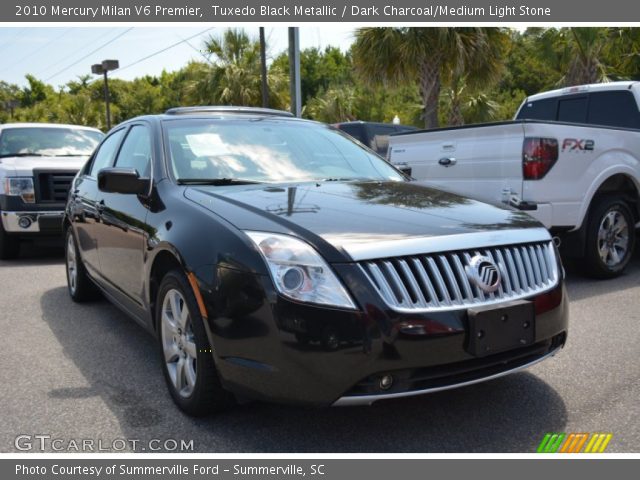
219, 112
593, 87
46, 125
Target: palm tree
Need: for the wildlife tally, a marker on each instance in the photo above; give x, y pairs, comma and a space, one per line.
233, 76
428, 56
586, 54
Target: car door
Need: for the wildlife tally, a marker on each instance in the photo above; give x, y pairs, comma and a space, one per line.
84, 208
121, 231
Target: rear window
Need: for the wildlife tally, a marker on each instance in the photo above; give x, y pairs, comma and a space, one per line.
573, 110
539, 110
614, 109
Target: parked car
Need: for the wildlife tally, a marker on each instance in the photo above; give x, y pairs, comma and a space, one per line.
374, 135
37, 164
276, 259
571, 159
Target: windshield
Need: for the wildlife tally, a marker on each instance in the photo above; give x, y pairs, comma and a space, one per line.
268, 150
47, 141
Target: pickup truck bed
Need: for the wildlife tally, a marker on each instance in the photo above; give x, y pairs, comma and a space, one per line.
557, 170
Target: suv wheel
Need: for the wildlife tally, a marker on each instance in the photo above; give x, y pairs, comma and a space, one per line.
610, 238
81, 287
9, 246
187, 358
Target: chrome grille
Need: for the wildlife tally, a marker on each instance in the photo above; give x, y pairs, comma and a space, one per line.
439, 281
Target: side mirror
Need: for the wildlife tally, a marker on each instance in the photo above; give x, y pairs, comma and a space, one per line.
122, 180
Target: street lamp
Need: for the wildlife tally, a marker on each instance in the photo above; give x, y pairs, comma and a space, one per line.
102, 69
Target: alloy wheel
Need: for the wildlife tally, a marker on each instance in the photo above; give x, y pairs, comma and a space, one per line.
72, 266
613, 238
178, 343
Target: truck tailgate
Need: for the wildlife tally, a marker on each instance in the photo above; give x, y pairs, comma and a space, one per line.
478, 161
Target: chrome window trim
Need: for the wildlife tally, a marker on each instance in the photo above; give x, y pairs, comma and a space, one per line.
444, 243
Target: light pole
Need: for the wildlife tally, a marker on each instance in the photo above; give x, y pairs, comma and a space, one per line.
102, 69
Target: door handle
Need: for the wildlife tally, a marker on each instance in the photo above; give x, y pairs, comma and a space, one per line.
447, 161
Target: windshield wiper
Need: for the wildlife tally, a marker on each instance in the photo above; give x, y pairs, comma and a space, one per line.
215, 181
341, 179
21, 154
73, 155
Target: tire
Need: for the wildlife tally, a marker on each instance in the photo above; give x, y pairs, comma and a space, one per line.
9, 246
610, 238
81, 288
187, 360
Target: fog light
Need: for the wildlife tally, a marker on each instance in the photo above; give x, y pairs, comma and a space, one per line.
385, 382
25, 222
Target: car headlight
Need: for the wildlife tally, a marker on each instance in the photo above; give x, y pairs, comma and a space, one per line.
299, 272
20, 187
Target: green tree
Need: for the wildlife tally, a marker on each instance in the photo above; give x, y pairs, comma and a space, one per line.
426, 56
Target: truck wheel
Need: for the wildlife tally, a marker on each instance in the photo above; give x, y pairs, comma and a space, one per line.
610, 238
81, 287
9, 246
187, 360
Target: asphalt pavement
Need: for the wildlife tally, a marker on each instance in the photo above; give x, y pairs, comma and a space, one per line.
75, 373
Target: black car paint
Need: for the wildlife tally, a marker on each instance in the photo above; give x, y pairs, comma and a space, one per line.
255, 332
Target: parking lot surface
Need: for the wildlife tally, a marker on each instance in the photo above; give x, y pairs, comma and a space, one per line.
78, 372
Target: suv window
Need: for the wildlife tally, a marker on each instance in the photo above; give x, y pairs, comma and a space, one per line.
614, 109
379, 138
106, 153
356, 130
136, 150
539, 110
573, 110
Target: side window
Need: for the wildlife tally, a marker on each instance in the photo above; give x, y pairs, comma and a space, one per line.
614, 109
544, 109
136, 151
573, 110
106, 153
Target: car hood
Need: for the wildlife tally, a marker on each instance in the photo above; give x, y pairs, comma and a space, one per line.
359, 216
24, 166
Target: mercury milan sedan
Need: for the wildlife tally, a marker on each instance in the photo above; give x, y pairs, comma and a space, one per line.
274, 258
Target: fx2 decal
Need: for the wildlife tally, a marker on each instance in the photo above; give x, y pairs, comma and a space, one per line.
578, 145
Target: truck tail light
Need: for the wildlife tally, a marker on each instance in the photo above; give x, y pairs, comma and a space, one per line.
538, 157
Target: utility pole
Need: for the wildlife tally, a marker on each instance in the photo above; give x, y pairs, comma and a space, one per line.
294, 71
102, 69
263, 69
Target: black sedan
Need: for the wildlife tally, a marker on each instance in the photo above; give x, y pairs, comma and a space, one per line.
275, 259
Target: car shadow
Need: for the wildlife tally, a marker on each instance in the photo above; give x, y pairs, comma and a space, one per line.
37, 252
580, 286
119, 361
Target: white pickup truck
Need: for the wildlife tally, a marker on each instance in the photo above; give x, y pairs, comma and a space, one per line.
37, 164
570, 158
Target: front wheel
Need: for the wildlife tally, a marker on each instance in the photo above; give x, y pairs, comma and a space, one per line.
187, 358
81, 288
610, 238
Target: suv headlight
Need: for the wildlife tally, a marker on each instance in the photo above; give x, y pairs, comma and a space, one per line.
20, 187
299, 272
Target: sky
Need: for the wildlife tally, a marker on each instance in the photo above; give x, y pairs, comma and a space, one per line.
59, 54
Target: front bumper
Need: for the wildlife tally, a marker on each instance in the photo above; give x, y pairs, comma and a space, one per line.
268, 348
33, 222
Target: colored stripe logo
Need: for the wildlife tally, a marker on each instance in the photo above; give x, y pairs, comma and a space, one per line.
574, 443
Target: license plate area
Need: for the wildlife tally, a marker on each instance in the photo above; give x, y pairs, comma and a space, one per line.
497, 329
